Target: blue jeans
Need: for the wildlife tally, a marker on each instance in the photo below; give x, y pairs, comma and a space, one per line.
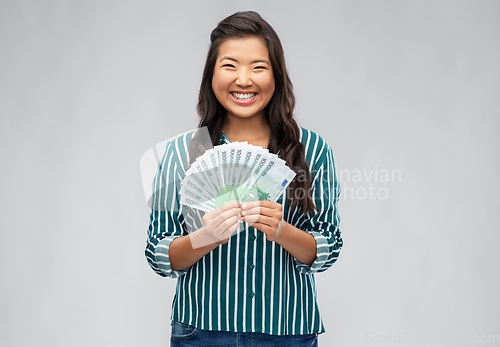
187, 335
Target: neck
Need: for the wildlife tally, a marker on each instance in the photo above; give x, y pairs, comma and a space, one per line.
253, 129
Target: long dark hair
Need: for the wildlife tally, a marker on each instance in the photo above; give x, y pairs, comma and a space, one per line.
279, 112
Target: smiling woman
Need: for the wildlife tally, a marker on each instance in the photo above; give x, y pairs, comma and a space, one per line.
243, 81
254, 287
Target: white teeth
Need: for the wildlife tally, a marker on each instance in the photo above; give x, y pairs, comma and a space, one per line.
243, 96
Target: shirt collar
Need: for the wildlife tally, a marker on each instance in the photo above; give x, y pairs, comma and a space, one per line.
224, 139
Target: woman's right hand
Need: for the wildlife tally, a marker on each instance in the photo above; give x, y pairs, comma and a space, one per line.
220, 223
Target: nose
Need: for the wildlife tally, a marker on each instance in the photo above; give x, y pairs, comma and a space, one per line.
243, 79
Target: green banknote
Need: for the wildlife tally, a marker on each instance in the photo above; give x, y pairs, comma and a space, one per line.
235, 171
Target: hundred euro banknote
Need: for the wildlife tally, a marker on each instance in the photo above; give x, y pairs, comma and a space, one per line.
234, 171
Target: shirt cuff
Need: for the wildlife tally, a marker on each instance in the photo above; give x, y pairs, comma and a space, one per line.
163, 260
322, 247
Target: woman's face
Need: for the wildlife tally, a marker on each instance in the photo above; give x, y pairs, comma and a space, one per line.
243, 79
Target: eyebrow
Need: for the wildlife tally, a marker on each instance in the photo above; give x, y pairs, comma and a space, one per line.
253, 62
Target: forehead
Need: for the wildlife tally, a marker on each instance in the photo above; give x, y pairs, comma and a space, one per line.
245, 48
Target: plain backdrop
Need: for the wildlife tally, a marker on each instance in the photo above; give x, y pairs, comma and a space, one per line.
405, 92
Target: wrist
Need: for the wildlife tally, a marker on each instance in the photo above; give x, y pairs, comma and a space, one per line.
200, 238
282, 226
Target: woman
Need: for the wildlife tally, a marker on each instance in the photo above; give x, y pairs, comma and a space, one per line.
254, 287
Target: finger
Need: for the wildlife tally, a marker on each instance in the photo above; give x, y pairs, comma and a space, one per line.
250, 216
251, 211
229, 213
227, 224
222, 217
223, 208
250, 204
269, 205
226, 234
271, 222
230, 205
263, 211
261, 203
263, 227
258, 210
230, 230
224, 230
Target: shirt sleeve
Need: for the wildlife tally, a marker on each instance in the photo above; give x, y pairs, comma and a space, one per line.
324, 225
166, 220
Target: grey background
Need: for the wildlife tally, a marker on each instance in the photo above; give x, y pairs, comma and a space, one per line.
86, 87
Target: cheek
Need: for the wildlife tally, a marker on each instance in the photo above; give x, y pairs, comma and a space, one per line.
267, 83
269, 86
215, 82
272, 88
216, 87
220, 82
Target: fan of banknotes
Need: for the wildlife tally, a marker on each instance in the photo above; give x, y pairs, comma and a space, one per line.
234, 171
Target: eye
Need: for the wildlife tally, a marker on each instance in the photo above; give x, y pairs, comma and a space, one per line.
260, 68
228, 65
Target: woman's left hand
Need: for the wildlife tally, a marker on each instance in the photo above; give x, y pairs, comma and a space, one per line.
267, 216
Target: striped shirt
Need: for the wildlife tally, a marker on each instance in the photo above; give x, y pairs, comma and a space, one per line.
249, 284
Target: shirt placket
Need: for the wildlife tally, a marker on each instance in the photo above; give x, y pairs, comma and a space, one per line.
252, 288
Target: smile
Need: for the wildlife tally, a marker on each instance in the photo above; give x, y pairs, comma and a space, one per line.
243, 96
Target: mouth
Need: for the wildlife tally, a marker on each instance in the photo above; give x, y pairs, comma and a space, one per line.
243, 97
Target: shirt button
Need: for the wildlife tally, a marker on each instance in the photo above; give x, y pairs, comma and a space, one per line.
252, 266
253, 237
252, 294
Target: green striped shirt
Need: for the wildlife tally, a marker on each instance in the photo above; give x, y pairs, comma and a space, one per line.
249, 284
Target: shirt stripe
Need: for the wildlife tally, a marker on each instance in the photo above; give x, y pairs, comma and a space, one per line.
248, 284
